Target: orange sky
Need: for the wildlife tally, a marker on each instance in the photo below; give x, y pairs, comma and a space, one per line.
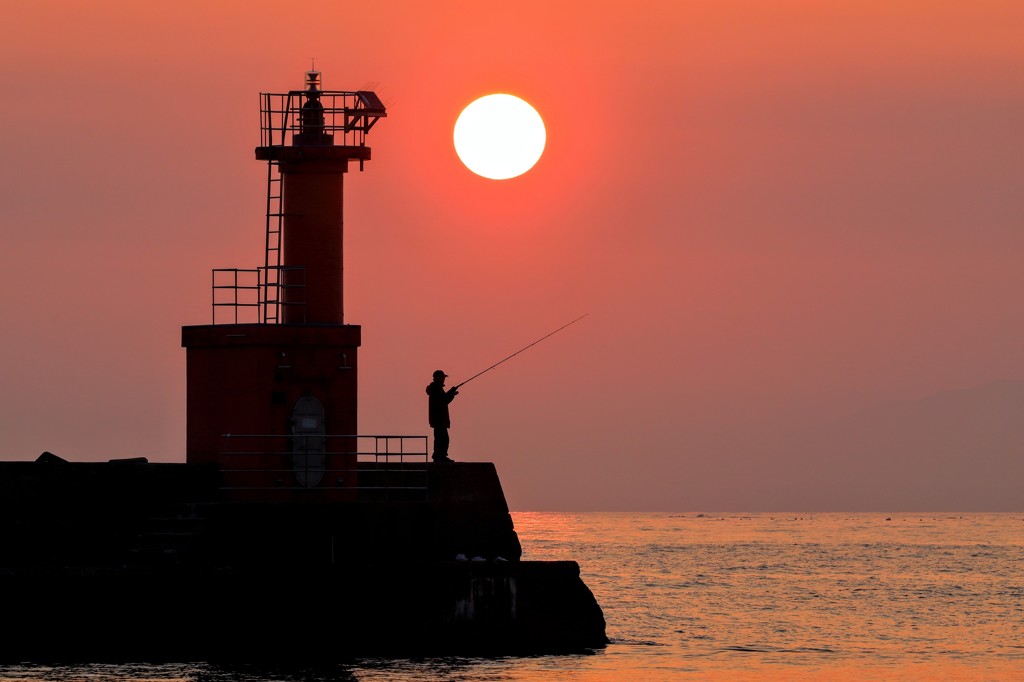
795, 227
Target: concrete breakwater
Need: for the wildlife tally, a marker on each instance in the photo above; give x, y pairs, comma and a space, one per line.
131, 560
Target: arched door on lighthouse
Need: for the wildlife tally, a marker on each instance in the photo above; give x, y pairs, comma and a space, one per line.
308, 442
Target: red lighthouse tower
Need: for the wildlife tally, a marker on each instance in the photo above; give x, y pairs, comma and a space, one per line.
272, 387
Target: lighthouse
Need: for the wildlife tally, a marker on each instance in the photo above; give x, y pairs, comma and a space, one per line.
272, 380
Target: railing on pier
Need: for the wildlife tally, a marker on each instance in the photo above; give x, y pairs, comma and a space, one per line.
380, 464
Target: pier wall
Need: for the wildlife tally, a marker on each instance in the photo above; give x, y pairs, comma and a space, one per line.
130, 560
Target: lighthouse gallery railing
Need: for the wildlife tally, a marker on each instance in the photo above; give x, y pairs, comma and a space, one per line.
242, 296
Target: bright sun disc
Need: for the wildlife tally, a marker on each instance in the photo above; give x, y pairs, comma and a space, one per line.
499, 136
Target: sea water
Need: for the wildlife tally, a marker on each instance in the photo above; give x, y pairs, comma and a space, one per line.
702, 596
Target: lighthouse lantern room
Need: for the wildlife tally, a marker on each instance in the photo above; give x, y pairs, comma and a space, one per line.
272, 381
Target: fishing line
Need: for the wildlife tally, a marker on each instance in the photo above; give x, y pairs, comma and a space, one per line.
521, 350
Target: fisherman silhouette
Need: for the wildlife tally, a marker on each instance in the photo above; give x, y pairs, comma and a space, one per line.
438, 414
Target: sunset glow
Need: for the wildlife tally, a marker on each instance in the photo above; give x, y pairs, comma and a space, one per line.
795, 226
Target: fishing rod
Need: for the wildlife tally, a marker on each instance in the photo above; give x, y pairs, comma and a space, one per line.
521, 350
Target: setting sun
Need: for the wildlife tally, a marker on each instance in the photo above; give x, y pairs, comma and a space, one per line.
499, 136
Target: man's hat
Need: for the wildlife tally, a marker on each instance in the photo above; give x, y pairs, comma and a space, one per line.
439, 373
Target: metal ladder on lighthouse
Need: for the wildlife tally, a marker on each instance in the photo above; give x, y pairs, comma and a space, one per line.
271, 287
